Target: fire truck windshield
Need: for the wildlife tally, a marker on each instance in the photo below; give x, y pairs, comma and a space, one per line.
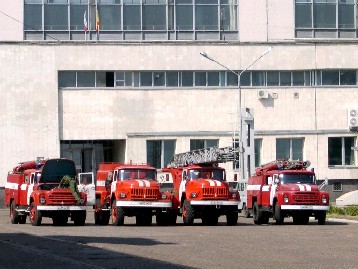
297, 178
216, 174
126, 174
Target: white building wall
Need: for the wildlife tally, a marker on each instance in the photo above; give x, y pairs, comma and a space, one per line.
11, 19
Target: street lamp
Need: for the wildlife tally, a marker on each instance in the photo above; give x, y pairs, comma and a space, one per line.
241, 150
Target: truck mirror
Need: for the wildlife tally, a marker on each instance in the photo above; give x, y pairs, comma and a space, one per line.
276, 180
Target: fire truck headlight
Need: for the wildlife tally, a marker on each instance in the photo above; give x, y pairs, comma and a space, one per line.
285, 199
122, 195
324, 200
233, 195
194, 195
164, 196
42, 200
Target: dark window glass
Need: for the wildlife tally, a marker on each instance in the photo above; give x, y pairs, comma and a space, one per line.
346, 16
324, 15
348, 151
172, 79
85, 79
348, 77
258, 78
154, 17
283, 149
245, 79
231, 79
330, 78
77, 16
213, 78
334, 151
187, 79
56, 17
285, 78
159, 79
33, 17
66, 79
154, 152
200, 78
110, 16
298, 78
131, 17
146, 79
169, 150
303, 16
258, 147
184, 18
228, 17
273, 78
206, 18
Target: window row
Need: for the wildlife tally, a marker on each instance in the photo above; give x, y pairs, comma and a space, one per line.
326, 18
131, 15
91, 79
340, 150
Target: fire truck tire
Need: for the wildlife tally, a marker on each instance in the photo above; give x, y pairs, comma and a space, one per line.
245, 211
117, 215
278, 214
257, 214
231, 218
35, 215
100, 217
188, 213
14, 215
79, 217
321, 216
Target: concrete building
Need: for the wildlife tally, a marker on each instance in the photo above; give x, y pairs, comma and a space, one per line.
138, 89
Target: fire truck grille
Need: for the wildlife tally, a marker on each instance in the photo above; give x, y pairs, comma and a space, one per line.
305, 198
215, 193
144, 194
65, 198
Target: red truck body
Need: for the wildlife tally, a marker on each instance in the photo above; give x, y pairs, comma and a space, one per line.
201, 191
286, 188
128, 190
32, 188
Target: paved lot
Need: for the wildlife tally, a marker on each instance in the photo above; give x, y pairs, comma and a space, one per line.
243, 246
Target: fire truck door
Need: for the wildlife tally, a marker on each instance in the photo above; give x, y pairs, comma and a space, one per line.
31, 187
86, 184
182, 184
274, 181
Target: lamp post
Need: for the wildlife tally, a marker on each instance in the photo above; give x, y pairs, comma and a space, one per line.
241, 150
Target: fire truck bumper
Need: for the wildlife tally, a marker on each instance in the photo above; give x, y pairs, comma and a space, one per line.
305, 207
61, 207
215, 202
143, 204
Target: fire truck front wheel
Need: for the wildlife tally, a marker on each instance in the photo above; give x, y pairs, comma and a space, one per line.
188, 213
14, 215
117, 215
257, 214
279, 216
35, 215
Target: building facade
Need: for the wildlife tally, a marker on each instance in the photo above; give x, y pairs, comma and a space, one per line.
124, 80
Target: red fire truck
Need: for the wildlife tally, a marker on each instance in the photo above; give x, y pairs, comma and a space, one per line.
128, 190
200, 189
32, 188
286, 188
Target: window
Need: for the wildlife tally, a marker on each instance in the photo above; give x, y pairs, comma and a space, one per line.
206, 15
160, 152
340, 151
33, 17
85, 79
337, 186
258, 149
289, 148
56, 17
203, 143
154, 16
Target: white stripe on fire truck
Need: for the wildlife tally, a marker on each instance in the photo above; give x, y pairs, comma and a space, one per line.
101, 183
302, 188
12, 186
266, 188
218, 183
147, 183
253, 187
212, 182
140, 182
23, 187
308, 187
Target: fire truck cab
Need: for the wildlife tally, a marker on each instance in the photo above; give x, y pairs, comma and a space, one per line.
200, 189
286, 188
128, 190
32, 189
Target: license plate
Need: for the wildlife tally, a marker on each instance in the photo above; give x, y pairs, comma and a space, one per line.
306, 207
216, 203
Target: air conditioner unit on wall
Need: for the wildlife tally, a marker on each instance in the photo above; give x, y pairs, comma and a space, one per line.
261, 94
352, 118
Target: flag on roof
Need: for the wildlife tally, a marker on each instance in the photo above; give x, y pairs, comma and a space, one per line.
98, 21
85, 24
